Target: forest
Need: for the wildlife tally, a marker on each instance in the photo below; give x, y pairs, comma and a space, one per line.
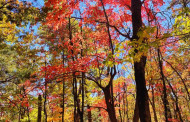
94, 60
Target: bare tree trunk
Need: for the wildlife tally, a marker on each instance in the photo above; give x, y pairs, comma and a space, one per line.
63, 97
79, 114
82, 112
75, 98
136, 112
39, 108
110, 105
45, 94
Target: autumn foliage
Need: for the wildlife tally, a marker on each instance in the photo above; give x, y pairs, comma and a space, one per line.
94, 60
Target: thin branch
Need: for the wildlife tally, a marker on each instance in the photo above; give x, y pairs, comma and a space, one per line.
124, 35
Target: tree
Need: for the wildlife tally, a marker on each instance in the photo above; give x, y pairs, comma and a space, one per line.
91, 17
101, 60
17, 59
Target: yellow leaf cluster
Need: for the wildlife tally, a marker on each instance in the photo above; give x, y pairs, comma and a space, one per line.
7, 30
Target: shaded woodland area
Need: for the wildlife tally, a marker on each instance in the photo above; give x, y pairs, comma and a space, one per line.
94, 60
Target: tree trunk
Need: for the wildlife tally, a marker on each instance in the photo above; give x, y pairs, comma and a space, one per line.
176, 101
63, 97
167, 110
108, 90
39, 108
110, 105
45, 93
75, 98
175, 94
74, 84
89, 114
142, 93
153, 106
88, 108
28, 114
136, 112
83, 81
183, 81
19, 116
127, 111
125, 104
119, 99
139, 67
82, 111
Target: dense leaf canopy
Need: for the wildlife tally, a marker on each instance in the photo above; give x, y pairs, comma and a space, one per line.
94, 60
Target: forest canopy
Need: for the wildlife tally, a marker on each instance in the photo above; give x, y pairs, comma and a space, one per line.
94, 60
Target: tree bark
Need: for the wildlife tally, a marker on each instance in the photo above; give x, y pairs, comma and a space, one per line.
39, 108
82, 111
63, 97
139, 67
136, 112
108, 90
45, 93
88, 108
110, 105
142, 93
